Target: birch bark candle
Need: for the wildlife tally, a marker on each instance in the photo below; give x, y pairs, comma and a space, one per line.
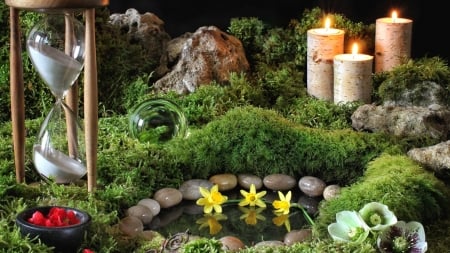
392, 42
322, 45
353, 77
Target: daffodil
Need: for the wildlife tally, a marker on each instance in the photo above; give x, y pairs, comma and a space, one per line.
251, 215
212, 222
403, 237
283, 204
281, 219
211, 199
377, 216
349, 227
252, 198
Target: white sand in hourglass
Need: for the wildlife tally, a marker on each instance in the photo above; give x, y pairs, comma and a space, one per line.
52, 163
58, 69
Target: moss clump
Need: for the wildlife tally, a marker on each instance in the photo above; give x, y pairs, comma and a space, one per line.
410, 191
262, 142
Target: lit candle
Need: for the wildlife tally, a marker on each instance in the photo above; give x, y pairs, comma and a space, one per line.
322, 45
353, 77
392, 42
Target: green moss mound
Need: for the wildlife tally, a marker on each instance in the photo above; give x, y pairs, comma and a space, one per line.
410, 191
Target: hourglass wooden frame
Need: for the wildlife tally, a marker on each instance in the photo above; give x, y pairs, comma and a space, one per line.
90, 81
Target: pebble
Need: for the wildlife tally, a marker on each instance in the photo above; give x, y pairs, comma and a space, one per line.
231, 243
295, 236
141, 212
311, 186
279, 182
190, 188
245, 180
310, 204
131, 226
225, 181
331, 191
168, 197
270, 243
151, 204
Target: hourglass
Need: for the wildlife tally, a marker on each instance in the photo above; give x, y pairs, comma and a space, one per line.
56, 47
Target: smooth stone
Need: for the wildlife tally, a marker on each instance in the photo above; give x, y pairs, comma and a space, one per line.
168, 197
331, 191
190, 188
231, 243
279, 182
310, 204
151, 204
245, 180
311, 186
270, 243
141, 212
295, 236
131, 226
225, 181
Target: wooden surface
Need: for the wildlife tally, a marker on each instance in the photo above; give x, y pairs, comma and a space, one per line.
56, 4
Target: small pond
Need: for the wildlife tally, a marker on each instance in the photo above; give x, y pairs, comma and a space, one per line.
250, 224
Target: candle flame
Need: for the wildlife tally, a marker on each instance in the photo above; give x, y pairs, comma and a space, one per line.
355, 49
327, 23
394, 16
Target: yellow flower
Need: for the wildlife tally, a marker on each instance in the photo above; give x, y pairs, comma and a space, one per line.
252, 215
212, 221
282, 219
211, 199
252, 198
284, 204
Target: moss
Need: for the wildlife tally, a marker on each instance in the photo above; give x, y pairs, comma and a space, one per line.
259, 141
410, 191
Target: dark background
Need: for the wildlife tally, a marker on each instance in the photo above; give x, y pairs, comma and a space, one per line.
430, 20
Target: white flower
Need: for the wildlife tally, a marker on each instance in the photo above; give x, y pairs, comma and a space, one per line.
349, 227
377, 216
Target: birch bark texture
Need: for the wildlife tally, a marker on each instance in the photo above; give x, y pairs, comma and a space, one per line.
322, 45
392, 42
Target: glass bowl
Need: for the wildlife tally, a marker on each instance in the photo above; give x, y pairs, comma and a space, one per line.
157, 120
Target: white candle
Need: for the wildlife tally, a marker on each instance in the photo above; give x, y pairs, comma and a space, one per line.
392, 42
353, 77
322, 45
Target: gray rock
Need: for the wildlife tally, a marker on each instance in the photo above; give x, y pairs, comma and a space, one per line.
311, 186
435, 158
190, 188
279, 182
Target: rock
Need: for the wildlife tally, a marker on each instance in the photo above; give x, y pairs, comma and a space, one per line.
190, 188
231, 243
151, 204
435, 158
131, 226
209, 54
295, 236
168, 197
271, 243
141, 212
279, 182
432, 122
311, 186
245, 180
331, 191
225, 181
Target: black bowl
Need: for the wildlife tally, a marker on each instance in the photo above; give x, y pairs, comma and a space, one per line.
64, 239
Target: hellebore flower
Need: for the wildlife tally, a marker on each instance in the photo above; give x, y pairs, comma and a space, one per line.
349, 227
251, 215
211, 199
284, 204
377, 216
212, 221
252, 198
403, 238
